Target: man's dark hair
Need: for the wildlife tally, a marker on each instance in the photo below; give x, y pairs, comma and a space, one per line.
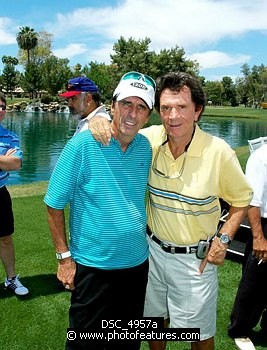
97, 98
175, 81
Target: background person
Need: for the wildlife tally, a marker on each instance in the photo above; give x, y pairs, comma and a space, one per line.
84, 101
251, 299
191, 171
10, 159
106, 263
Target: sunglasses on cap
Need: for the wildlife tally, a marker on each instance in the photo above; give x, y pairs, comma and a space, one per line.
2, 107
139, 76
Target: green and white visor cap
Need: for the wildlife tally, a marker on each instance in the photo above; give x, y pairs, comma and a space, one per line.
138, 85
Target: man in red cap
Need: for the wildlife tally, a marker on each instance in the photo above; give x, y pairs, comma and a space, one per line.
84, 101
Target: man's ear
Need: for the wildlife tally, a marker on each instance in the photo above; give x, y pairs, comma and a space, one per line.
198, 112
112, 107
89, 98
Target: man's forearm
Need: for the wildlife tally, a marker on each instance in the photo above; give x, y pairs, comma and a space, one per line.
56, 219
254, 219
234, 219
9, 163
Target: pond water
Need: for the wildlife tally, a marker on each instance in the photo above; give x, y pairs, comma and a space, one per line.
43, 136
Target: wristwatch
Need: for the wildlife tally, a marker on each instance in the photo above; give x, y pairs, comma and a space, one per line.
224, 238
61, 256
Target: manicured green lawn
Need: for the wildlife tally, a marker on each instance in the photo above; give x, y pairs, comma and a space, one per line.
235, 112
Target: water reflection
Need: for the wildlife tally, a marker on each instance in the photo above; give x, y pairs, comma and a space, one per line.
43, 137
234, 131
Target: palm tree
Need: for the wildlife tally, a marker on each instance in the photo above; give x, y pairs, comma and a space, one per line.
9, 60
27, 39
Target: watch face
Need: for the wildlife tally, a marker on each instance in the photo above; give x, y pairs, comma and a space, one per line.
225, 239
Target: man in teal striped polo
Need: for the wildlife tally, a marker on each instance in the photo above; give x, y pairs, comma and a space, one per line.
105, 261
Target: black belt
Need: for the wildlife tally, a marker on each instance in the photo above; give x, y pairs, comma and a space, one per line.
169, 248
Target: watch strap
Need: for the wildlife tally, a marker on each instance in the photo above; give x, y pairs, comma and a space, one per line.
64, 255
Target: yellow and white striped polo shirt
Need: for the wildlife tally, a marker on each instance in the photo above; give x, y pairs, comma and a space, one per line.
187, 209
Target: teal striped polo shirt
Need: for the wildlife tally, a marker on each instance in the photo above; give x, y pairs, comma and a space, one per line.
105, 188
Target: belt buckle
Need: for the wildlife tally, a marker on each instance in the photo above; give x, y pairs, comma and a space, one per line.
191, 250
164, 245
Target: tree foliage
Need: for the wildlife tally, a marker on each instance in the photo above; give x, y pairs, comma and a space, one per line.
31, 80
229, 93
40, 52
105, 77
9, 60
77, 70
134, 55
9, 79
251, 87
27, 40
55, 72
214, 92
173, 60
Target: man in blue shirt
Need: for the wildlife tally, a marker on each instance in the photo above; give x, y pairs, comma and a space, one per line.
10, 159
105, 262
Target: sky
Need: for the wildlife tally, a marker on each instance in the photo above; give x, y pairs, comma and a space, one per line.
220, 35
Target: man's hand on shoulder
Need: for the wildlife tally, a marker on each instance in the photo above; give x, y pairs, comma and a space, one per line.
101, 129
